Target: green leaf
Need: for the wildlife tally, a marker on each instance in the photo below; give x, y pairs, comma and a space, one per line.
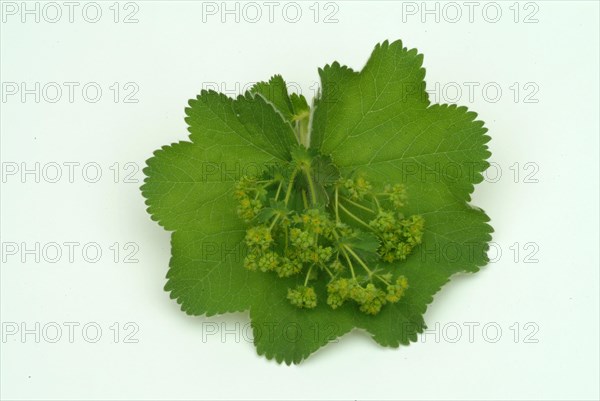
377, 122
288, 334
275, 91
189, 188
384, 111
366, 242
455, 241
189, 185
437, 151
205, 274
299, 104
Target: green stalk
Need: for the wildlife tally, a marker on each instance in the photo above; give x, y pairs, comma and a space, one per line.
349, 263
337, 213
359, 260
327, 270
358, 219
311, 185
308, 275
382, 279
377, 203
302, 121
278, 190
304, 200
358, 204
290, 186
274, 221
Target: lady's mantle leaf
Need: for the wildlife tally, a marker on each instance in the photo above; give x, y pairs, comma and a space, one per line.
378, 122
189, 190
438, 151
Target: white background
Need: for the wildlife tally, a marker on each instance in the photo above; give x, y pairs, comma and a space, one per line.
550, 208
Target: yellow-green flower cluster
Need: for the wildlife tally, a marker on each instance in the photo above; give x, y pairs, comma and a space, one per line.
357, 187
396, 291
370, 297
396, 194
289, 245
343, 241
269, 261
302, 297
305, 248
250, 198
315, 221
398, 235
259, 237
288, 267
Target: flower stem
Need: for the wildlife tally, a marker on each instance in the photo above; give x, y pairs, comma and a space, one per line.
359, 260
377, 202
327, 270
274, 221
290, 186
304, 200
349, 263
311, 185
382, 279
337, 202
308, 275
357, 204
358, 219
278, 190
